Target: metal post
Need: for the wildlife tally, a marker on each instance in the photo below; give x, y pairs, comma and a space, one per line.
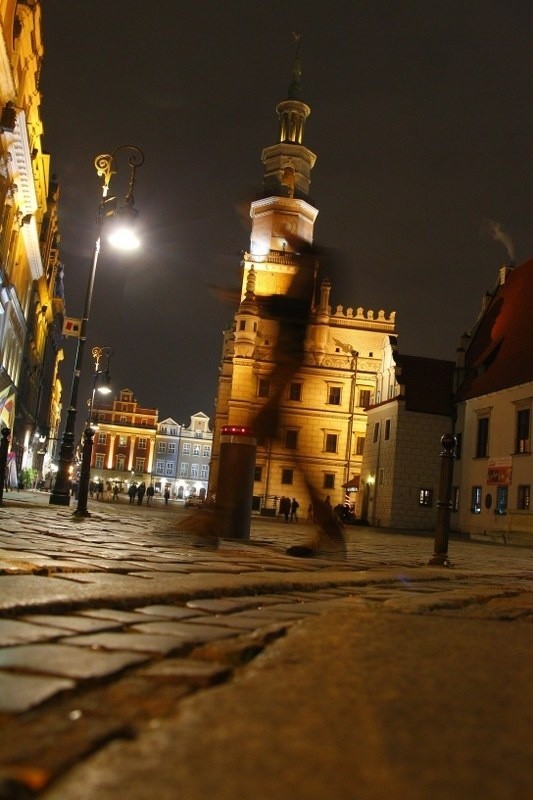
444, 505
4, 448
105, 167
235, 481
85, 473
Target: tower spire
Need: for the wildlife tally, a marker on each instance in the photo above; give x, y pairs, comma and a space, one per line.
295, 89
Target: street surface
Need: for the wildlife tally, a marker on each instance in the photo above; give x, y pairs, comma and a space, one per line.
136, 665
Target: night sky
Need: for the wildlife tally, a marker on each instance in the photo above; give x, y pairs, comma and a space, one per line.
421, 119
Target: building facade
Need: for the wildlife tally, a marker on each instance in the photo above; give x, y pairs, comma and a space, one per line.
124, 442
320, 382
401, 470
31, 299
493, 471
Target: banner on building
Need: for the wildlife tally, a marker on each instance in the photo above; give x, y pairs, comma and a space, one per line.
71, 326
500, 471
7, 407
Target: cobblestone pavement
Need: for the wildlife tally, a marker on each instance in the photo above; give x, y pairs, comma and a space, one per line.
107, 623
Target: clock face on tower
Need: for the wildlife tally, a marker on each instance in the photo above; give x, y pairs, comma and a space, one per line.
285, 227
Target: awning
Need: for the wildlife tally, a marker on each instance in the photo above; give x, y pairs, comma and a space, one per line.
353, 483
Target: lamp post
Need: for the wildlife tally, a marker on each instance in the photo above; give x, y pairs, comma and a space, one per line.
85, 471
105, 168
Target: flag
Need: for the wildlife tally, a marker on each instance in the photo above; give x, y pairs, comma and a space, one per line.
7, 407
71, 326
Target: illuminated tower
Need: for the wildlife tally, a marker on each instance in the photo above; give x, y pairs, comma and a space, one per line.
321, 388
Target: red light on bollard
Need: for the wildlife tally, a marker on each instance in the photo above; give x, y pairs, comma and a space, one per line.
235, 430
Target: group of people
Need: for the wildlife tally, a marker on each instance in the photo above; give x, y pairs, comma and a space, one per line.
137, 492
289, 508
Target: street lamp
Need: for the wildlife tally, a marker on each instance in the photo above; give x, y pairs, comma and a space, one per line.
102, 376
123, 218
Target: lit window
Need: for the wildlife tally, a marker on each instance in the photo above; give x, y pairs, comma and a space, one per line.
184, 469
204, 472
119, 463
425, 497
196, 449
99, 461
139, 465
195, 469
102, 438
186, 449
501, 500
475, 505
142, 443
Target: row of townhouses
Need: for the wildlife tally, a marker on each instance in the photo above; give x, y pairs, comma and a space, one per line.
132, 446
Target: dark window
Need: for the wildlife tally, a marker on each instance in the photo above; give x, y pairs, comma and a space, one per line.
263, 388
482, 443
364, 398
329, 480
522, 431
387, 429
287, 475
360, 446
475, 505
331, 442
523, 498
242, 325
375, 436
258, 474
334, 395
291, 439
425, 497
295, 391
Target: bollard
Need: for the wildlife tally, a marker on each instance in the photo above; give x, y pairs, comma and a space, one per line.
235, 481
85, 473
4, 447
444, 505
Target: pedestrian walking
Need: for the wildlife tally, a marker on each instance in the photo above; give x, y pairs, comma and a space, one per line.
132, 492
140, 493
150, 494
295, 505
167, 496
285, 507
115, 493
310, 514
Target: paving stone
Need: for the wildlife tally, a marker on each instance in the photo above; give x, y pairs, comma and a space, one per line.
174, 612
221, 605
114, 614
13, 631
72, 622
66, 661
188, 632
19, 693
138, 642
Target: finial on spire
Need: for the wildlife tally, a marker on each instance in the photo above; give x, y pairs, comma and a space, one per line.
295, 90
